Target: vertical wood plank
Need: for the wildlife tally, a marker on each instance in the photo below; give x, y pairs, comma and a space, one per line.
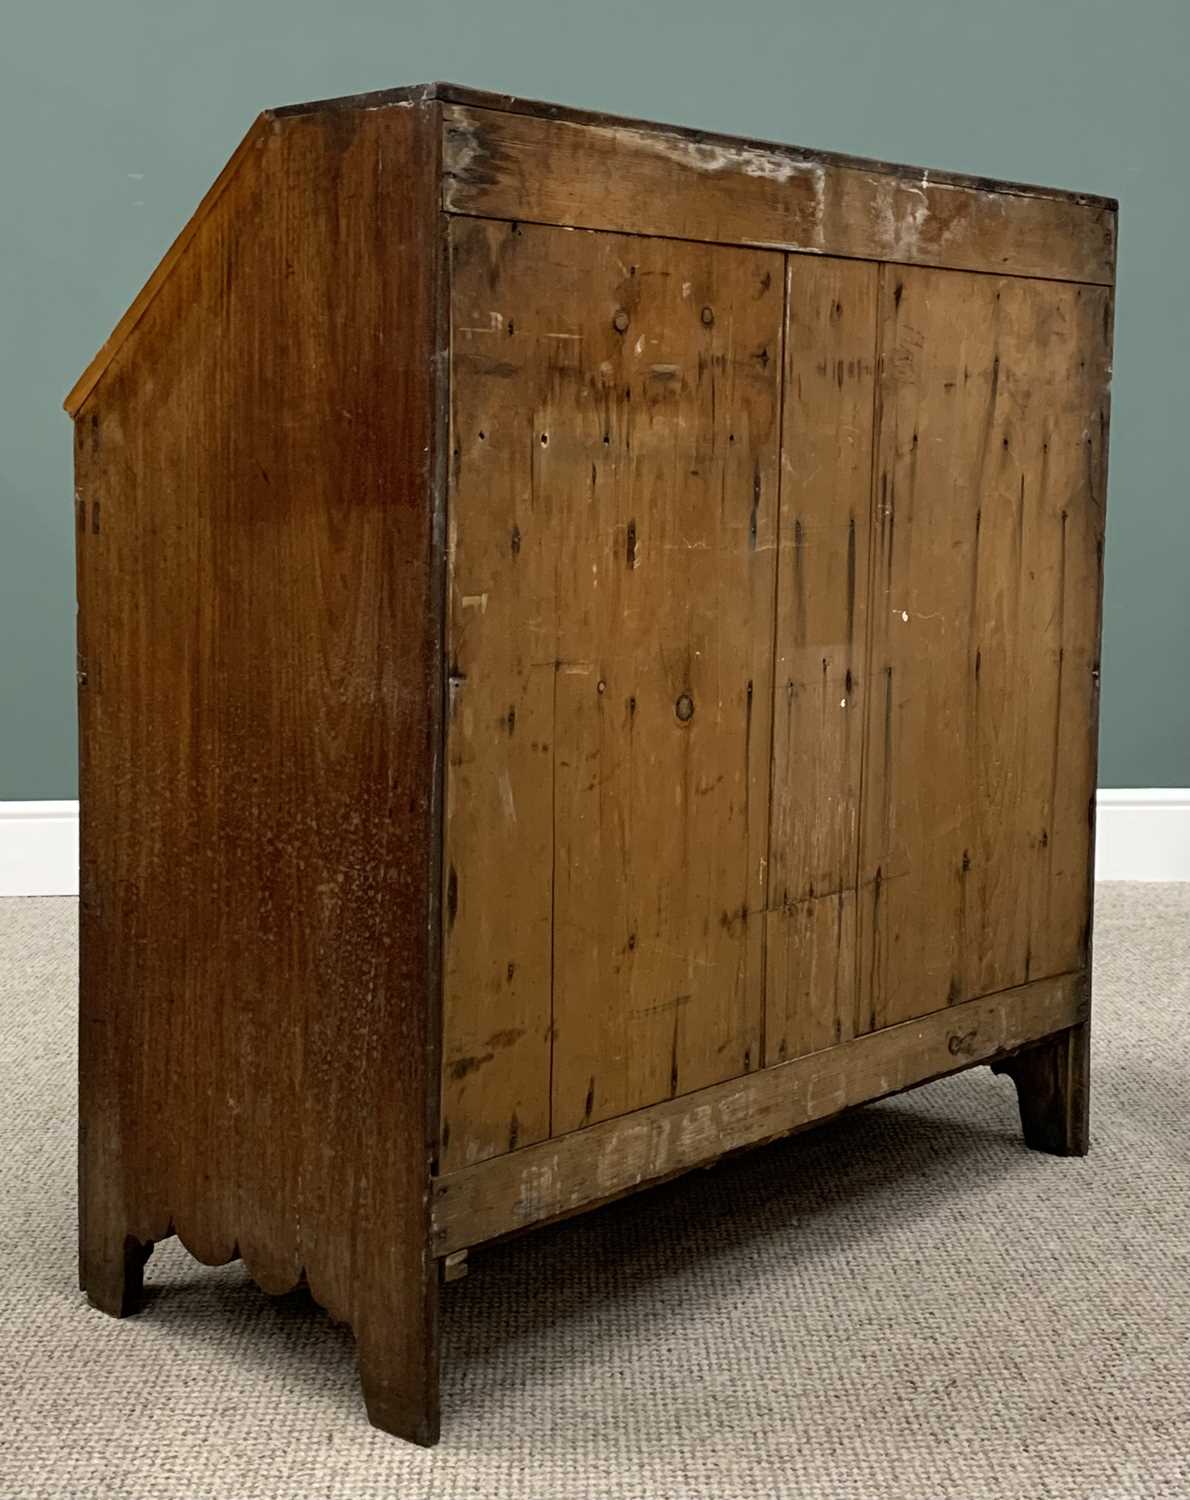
613, 535
819, 677
502, 645
664, 681
980, 766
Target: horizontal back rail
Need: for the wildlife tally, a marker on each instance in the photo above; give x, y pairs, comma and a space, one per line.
565, 1175
659, 182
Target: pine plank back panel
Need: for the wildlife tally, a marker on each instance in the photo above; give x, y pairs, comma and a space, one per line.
980, 769
820, 654
640, 459
502, 651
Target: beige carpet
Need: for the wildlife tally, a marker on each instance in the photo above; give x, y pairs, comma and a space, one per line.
904, 1303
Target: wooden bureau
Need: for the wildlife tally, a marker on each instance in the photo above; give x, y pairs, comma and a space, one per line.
588, 660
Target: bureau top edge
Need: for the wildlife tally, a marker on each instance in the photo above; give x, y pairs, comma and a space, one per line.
452, 93
685, 184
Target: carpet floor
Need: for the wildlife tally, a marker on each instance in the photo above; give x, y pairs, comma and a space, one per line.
903, 1303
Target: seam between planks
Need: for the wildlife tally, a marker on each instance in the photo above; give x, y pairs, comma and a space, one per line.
553, 844
869, 627
442, 423
774, 628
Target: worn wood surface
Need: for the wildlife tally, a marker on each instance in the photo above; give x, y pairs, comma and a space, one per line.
542, 109
1100, 215
819, 654
501, 647
664, 680
982, 708
259, 692
576, 1171
654, 181
516, 104
612, 560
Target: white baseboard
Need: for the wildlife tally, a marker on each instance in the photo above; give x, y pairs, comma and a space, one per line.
1140, 835
39, 848
1143, 834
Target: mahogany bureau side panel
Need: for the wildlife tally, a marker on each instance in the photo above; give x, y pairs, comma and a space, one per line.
259, 700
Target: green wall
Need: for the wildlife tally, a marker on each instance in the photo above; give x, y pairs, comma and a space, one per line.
115, 116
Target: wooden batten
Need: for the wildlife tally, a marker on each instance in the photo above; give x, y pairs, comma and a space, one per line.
659, 182
564, 1176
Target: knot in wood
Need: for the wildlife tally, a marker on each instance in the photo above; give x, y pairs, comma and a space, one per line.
684, 708
708, 315
620, 321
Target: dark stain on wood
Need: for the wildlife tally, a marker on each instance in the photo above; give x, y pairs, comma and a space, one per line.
465, 1066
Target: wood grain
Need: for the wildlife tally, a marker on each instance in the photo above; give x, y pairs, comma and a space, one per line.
979, 772
664, 683
565, 1176
820, 664
502, 647
517, 104
627, 397
653, 181
259, 709
810, 974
